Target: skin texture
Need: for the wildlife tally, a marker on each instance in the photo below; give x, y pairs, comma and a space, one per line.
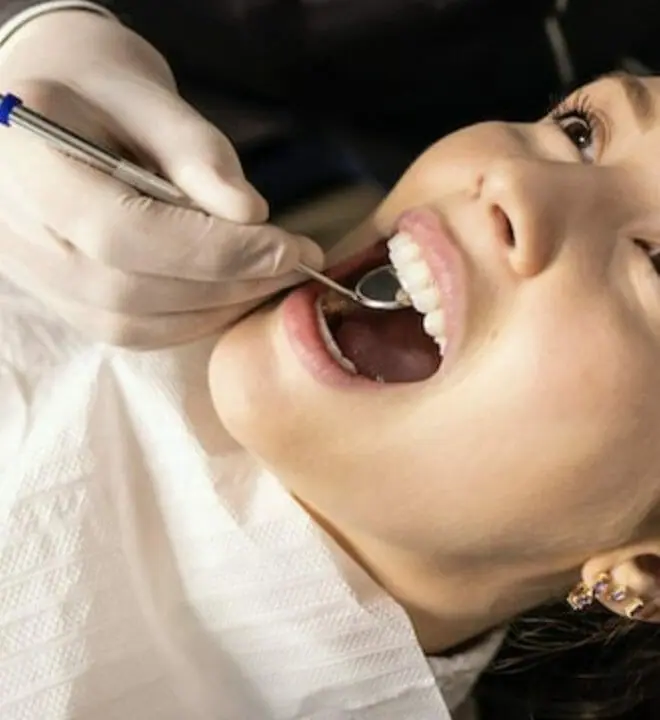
533, 461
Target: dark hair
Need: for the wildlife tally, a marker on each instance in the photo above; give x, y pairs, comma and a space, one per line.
557, 664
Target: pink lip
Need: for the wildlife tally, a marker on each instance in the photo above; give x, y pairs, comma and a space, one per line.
440, 252
300, 324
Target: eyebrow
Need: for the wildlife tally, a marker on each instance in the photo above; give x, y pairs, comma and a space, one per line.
638, 95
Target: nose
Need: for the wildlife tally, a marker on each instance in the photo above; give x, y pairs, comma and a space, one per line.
524, 205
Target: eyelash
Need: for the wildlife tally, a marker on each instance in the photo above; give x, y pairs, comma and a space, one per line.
652, 252
579, 108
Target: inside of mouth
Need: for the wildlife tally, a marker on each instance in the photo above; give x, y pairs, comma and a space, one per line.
384, 346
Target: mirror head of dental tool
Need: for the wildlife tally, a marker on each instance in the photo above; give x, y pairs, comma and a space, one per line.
378, 289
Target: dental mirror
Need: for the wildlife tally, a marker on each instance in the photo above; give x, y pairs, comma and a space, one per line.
379, 289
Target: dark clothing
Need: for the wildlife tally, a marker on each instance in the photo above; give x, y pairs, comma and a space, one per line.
385, 77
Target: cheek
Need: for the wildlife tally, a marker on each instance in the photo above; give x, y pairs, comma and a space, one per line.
453, 165
575, 396
569, 363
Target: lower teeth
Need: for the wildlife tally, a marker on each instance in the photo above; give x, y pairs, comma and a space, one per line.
330, 343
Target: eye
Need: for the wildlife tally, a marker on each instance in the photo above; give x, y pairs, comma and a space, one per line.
579, 131
579, 124
652, 251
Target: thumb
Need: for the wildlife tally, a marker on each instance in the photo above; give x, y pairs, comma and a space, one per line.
198, 158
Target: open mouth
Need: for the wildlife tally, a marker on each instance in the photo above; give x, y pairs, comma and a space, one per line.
400, 346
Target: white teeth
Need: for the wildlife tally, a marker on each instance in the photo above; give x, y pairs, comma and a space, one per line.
402, 249
330, 343
434, 324
417, 276
417, 280
426, 300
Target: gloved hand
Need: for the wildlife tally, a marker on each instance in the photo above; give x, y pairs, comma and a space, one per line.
120, 267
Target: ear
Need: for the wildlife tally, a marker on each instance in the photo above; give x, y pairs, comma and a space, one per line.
632, 580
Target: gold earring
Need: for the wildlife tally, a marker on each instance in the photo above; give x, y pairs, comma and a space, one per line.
603, 587
583, 595
618, 593
633, 609
580, 597
602, 584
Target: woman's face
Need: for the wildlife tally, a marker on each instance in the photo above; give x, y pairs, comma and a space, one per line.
537, 434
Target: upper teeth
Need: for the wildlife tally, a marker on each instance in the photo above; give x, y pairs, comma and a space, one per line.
417, 280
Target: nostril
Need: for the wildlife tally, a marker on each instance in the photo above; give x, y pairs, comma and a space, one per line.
503, 227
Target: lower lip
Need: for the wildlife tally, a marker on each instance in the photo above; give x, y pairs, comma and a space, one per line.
300, 324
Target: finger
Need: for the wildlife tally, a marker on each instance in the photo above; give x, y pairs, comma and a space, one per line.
194, 155
64, 106
114, 225
67, 273
140, 235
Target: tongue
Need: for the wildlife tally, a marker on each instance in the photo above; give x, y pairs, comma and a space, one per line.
388, 346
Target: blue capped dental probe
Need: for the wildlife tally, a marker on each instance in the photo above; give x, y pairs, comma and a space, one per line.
378, 290
13, 112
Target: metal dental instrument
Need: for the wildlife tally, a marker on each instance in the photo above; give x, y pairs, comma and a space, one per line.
379, 289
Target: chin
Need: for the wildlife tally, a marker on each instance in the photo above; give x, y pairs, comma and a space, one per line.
243, 376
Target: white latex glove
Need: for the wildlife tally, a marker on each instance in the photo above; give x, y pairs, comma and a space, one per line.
120, 267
